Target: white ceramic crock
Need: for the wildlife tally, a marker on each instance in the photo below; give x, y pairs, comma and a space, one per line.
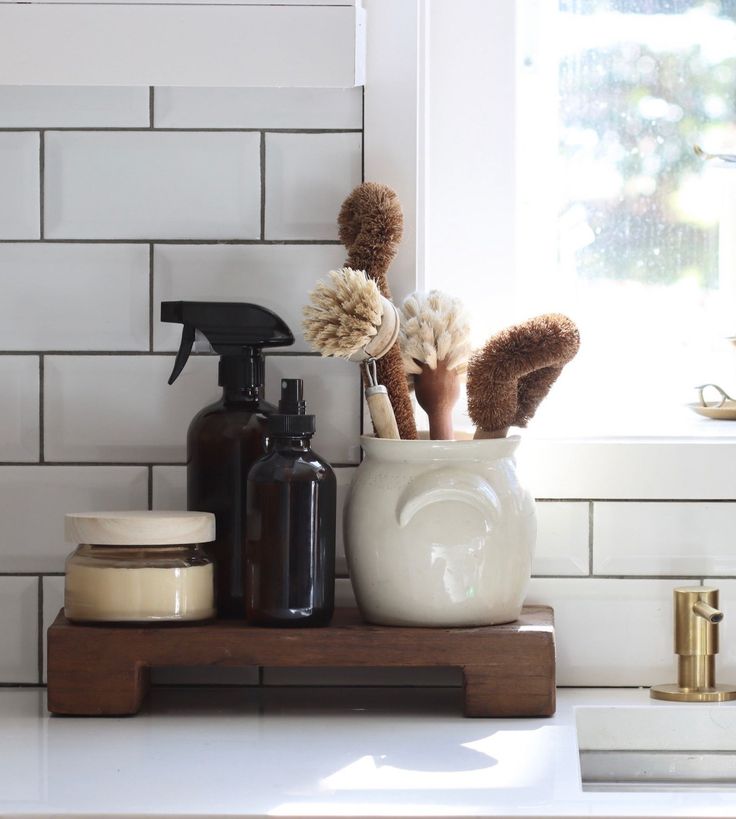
439, 533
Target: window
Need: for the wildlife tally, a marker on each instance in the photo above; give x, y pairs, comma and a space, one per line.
618, 223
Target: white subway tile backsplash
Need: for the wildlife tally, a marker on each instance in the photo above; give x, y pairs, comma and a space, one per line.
664, 538
610, 632
344, 477
53, 602
74, 296
19, 634
19, 408
73, 107
34, 500
138, 185
278, 277
20, 207
322, 108
332, 392
121, 408
307, 178
562, 539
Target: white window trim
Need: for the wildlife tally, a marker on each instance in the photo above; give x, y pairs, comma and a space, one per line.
407, 119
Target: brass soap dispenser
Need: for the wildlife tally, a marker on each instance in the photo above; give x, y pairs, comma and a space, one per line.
696, 644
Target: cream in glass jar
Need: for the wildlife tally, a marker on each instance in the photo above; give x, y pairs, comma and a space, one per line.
139, 567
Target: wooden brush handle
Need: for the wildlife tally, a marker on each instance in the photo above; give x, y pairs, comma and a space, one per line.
382, 413
437, 392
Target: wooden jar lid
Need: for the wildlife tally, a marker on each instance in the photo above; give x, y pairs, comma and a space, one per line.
139, 528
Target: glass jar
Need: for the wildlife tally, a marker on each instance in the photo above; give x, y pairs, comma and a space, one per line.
139, 567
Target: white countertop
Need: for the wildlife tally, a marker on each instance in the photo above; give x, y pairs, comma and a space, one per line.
312, 752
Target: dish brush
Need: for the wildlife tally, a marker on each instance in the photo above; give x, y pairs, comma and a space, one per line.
435, 347
371, 224
348, 318
511, 375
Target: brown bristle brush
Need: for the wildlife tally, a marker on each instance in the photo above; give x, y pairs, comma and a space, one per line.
371, 224
511, 375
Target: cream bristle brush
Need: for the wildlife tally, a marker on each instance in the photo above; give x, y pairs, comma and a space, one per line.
349, 318
435, 347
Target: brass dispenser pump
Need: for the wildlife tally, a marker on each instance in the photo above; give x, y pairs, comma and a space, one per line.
696, 644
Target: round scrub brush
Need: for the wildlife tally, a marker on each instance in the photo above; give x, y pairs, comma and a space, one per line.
371, 224
511, 375
349, 318
435, 347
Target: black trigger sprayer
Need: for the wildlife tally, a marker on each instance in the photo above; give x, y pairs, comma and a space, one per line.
227, 437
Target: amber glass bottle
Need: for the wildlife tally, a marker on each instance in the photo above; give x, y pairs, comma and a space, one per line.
290, 549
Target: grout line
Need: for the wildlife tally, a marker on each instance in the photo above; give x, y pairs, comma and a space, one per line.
150, 353
590, 537
41, 180
32, 574
263, 184
40, 630
21, 685
362, 132
150, 297
41, 408
150, 107
338, 465
143, 128
186, 242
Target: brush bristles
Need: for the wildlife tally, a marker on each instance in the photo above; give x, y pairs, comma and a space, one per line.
434, 328
511, 375
344, 314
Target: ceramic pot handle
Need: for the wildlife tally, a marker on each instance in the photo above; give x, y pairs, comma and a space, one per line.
448, 485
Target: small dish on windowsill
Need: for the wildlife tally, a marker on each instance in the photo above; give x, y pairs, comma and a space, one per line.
722, 407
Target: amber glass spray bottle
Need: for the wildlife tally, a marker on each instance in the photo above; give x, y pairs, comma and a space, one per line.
227, 437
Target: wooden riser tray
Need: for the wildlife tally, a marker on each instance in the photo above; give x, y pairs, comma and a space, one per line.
508, 670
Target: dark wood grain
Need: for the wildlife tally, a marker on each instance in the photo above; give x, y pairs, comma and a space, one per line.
103, 670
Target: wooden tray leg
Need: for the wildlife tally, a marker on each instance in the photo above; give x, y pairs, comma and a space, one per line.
493, 692
105, 692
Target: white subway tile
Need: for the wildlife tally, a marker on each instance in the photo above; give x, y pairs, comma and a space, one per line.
20, 189
332, 392
562, 539
19, 634
74, 297
609, 632
170, 487
137, 185
72, 107
726, 659
53, 602
34, 500
631, 469
307, 178
121, 408
278, 277
664, 538
323, 108
19, 408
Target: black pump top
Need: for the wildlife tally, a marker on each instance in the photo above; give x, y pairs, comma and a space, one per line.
237, 331
291, 420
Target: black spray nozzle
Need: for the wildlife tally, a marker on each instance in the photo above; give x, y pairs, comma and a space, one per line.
292, 397
291, 419
233, 329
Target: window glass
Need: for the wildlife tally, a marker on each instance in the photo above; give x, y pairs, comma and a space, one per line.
621, 225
